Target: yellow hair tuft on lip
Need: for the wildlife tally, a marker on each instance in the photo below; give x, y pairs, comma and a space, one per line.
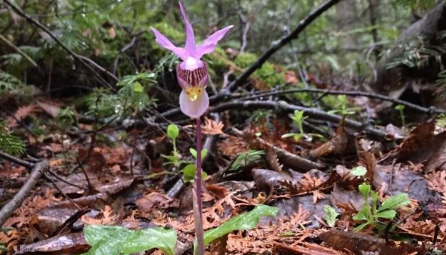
194, 92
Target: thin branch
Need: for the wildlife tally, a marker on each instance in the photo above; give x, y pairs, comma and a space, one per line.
278, 45
18, 50
24, 192
311, 112
18, 161
347, 93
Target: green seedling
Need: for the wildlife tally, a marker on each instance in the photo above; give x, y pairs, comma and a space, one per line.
246, 158
175, 158
371, 213
298, 120
400, 109
344, 111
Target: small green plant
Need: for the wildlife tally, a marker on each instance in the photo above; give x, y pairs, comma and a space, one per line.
246, 158
298, 119
132, 96
66, 117
330, 215
345, 110
175, 158
371, 213
190, 169
400, 109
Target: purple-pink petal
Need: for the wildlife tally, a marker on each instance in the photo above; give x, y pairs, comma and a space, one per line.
210, 43
194, 109
165, 43
197, 77
190, 37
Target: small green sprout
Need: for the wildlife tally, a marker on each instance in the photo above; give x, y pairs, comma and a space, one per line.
298, 119
246, 158
174, 159
372, 214
344, 111
400, 108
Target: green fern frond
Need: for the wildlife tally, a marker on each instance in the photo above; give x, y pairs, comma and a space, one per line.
10, 143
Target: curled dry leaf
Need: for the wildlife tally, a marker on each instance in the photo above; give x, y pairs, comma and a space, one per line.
273, 161
72, 243
212, 127
338, 145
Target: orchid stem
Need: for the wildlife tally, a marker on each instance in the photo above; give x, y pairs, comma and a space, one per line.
198, 206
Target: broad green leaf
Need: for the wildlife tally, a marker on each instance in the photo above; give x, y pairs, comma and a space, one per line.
358, 171
163, 239
189, 172
173, 131
243, 221
388, 214
395, 202
115, 240
330, 215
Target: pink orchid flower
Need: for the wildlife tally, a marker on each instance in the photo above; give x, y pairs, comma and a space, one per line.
192, 73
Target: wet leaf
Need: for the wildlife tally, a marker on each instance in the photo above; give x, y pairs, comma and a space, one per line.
244, 221
111, 240
395, 202
73, 243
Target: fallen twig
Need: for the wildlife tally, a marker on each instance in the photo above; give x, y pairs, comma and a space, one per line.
24, 192
311, 112
286, 157
18, 161
348, 93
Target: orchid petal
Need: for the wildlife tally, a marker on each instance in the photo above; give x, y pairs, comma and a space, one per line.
210, 43
165, 43
196, 77
190, 36
194, 109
